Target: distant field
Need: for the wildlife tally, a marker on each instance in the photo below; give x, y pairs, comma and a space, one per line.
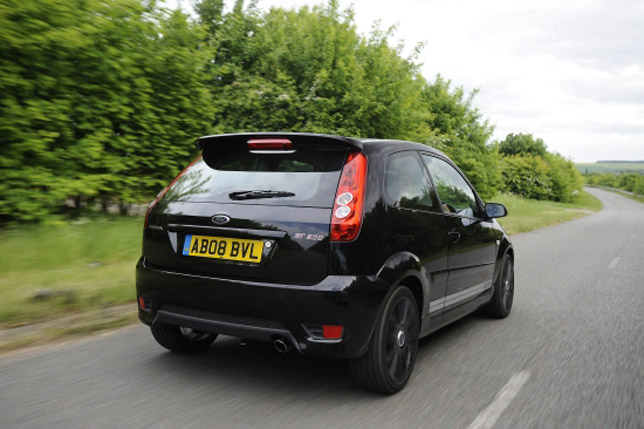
611, 167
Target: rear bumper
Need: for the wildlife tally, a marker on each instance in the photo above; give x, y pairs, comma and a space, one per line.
266, 311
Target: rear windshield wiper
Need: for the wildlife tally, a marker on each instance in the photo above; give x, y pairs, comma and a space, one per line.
251, 195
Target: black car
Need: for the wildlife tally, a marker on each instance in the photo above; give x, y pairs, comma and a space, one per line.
329, 245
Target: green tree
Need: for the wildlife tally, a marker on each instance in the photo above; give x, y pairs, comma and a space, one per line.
309, 70
458, 129
521, 144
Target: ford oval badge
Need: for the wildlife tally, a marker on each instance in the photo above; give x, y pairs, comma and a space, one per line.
220, 219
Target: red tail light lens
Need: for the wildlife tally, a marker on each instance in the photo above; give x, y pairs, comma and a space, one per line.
164, 190
270, 144
347, 209
332, 332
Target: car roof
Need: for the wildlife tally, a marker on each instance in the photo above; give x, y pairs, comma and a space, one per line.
401, 145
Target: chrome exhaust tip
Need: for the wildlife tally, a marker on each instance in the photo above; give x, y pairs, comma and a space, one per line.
281, 346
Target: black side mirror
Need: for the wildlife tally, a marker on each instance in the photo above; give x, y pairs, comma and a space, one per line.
493, 210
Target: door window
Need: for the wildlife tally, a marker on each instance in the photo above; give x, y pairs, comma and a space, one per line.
406, 184
455, 193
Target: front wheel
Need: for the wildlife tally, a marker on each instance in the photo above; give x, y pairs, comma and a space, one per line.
388, 363
501, 302
182, 340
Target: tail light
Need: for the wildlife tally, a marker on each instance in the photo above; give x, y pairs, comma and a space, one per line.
349, 198
164, 190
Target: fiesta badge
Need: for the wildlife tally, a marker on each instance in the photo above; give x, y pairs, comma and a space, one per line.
220, 219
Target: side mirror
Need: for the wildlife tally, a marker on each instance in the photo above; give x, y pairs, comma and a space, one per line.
493, 210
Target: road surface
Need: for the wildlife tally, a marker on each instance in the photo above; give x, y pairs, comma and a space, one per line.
571, 354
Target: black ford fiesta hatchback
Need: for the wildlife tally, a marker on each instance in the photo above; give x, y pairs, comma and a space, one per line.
328, 245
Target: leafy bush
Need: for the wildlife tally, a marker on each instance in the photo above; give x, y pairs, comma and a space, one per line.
564, 177
527, 176
531, 171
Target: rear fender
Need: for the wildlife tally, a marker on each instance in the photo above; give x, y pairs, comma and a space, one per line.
400, 267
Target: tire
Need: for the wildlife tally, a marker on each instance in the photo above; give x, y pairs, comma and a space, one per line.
501, 303
182, 340
389, 361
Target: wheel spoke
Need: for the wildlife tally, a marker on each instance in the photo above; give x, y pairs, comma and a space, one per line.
393, 322
404, 304
393, 365
389, 353
400, 368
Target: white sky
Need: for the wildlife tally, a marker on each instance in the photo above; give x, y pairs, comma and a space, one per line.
568, 71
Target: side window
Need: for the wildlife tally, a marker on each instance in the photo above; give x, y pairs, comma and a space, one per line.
406, 184
455, 193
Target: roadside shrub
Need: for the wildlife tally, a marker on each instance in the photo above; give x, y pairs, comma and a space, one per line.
527, 176
564, 177
639, 187
630, 181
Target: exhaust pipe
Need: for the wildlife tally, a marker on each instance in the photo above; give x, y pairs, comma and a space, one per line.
281, 345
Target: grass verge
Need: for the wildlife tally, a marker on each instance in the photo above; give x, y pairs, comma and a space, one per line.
525, 215
51, 271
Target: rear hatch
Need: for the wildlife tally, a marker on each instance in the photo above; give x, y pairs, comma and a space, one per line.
252, 207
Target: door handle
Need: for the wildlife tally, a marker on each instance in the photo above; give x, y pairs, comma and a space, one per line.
455, 236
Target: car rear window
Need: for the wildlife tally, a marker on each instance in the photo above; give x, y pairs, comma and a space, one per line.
303, 178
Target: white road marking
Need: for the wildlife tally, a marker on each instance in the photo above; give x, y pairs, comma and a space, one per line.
488, 417
613, 263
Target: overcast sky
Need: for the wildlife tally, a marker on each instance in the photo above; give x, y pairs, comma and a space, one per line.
570, 72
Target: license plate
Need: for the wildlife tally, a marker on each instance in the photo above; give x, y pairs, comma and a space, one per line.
229, 249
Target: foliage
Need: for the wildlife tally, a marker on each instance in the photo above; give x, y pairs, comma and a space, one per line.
527, 176
309, 70
461, 132
94, 97
565, 178
522, 144
529, 170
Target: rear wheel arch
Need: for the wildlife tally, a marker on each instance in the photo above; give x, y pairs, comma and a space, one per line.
406, 269
416, 287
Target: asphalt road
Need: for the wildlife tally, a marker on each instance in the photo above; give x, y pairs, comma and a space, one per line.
571, 354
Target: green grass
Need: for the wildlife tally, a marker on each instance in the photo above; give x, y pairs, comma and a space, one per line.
51, 270
611, 167
526, 215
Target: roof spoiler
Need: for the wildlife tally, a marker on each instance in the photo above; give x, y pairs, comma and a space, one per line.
241, 139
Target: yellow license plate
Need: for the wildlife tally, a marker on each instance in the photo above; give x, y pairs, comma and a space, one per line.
229, 249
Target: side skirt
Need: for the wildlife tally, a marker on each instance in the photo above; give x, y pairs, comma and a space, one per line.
432, 324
